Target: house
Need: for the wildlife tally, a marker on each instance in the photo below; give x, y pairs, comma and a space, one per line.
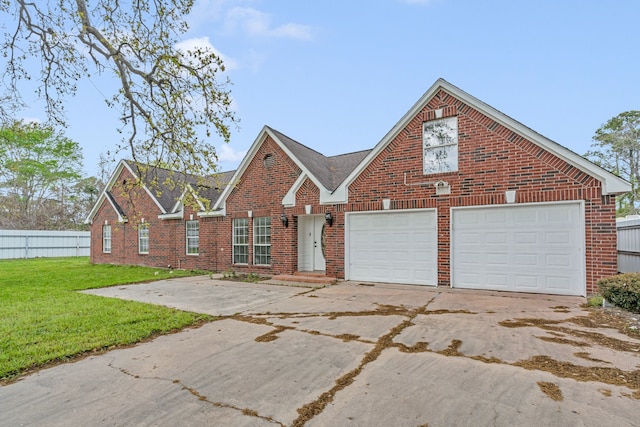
455, 194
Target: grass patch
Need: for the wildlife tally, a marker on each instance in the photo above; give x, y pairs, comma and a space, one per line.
44, 320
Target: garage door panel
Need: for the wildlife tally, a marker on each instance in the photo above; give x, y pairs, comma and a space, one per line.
498, 259
537, 248
497, 280
403, 249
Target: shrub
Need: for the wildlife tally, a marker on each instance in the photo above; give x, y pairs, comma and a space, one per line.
595, 301
622, 291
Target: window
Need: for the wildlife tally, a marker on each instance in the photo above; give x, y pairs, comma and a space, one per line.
193, 238
241, 241
143, 238
440, 142
262, 241
106, 239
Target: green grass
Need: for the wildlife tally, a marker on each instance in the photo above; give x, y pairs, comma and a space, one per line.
43, 319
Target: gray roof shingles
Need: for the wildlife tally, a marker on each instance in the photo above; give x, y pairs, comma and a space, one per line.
330, 171
167, 185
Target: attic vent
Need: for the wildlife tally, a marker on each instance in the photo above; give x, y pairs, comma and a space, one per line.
269, 160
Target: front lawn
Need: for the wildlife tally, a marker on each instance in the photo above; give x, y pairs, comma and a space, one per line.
44, 320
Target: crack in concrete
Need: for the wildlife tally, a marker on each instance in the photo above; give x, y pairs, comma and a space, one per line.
194, 392
312, 409
611, 376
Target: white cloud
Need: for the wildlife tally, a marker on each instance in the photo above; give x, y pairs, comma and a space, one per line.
227, 154
258, 24
204, 44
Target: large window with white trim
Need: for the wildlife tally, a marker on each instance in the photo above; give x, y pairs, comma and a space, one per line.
241, 240
106, 239
193, 237
440, 144
143, 238
262, 240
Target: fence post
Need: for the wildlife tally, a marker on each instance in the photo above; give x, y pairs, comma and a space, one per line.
26, 247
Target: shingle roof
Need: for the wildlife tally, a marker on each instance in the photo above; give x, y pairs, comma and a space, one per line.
330, 171
167, 186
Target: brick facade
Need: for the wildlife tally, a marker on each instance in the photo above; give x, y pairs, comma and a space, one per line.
492, 158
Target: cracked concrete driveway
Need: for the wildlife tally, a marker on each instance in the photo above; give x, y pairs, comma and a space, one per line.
350, 354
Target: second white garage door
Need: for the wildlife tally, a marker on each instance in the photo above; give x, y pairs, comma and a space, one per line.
522, 248
393, 247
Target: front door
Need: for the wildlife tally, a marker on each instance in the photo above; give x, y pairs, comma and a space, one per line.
310, 256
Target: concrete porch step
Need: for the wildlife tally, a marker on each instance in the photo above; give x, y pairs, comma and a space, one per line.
305, 277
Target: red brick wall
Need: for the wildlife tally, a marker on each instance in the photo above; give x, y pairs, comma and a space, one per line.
492, 159
167, 238
260, 190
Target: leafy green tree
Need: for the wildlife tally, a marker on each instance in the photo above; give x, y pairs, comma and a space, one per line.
170, 97
617, 148
37, 164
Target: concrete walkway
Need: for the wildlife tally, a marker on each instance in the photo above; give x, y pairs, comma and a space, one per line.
347, 355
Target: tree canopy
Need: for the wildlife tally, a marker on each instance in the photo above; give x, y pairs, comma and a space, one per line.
617, 148
40, 182
171, 99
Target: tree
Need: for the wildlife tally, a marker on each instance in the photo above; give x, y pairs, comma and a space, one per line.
617, 148
37, 168
170, 98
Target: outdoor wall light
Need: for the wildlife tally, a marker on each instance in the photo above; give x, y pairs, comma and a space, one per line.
284, 219
328, 218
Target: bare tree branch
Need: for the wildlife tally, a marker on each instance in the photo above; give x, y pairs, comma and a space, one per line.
170, 101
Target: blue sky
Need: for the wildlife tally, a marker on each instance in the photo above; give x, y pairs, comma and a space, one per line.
337, 75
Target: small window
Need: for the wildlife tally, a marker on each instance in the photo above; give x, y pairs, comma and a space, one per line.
440, 142
262, 241
193, 237
106, 239
241, 241
143, 238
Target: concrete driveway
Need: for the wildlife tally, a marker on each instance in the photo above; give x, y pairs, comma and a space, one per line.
347, 355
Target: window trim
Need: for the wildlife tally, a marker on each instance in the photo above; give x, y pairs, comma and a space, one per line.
433, 147
190, 238
262, 231
237, 226
106, 237
142, 227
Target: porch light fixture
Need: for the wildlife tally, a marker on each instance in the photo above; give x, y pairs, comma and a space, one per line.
284, 220
328, 218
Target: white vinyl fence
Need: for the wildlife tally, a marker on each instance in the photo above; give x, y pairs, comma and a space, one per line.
43, 244
629, 244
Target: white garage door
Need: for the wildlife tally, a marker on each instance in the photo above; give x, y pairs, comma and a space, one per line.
525, 248
393, 247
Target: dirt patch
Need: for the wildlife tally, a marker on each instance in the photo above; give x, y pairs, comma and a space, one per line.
382, 310
559, 340
272, 335
590, 321
452, 350
616, 318
550, 389
613, 376
347, 337
586, 356
419, 347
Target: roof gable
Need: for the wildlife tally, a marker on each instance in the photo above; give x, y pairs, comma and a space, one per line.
325, 172
165, 187
611, 184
